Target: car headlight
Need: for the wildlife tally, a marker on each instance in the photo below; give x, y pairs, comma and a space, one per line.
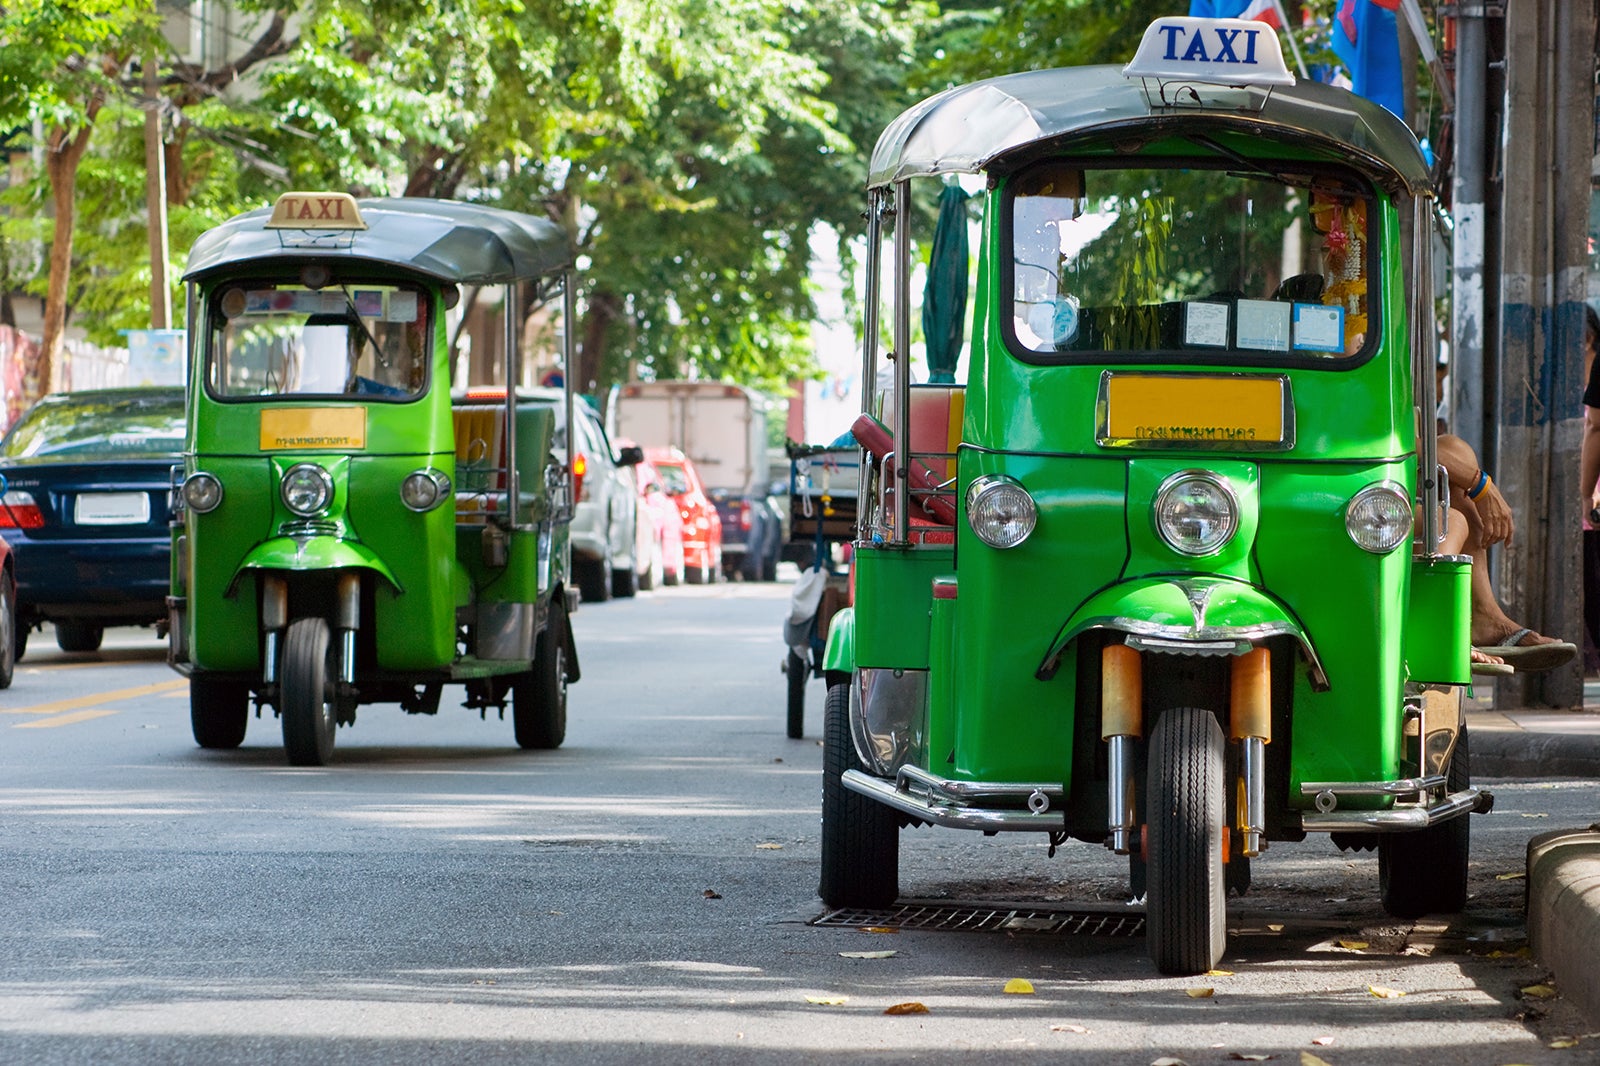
1000, 511
1196, 513
202, 492
306, 489
423, 490
1379, 517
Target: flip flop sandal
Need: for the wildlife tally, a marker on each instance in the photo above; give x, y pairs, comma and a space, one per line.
1493, 669
1532, 657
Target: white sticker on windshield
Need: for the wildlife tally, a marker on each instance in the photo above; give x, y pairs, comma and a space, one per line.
1318, 328
402, 307
1205, 324
1264, 325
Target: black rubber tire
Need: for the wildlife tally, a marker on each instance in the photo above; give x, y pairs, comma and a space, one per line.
798, 671
699, 575
306, 699
8, 629
625, 582
594, 579
75, 635
1425, 872
539, 697
1185, 911
219, 712
19, 640
655, 572
860, 837
769, 565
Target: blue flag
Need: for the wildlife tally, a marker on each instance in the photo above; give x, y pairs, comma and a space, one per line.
1260, 10
1366, 38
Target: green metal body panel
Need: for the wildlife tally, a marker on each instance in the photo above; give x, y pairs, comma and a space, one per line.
893, 596
840, 651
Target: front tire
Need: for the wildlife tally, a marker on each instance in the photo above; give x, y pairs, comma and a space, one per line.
74, 635
219, 712
860, 837
539, 697
308, 706
1425, 872
797, 670
1185, 918
8, 629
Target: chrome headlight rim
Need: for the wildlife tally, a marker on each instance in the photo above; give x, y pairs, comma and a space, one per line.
306, 475
201, 492
432, 488
1401, 527
984, 494
1226, 530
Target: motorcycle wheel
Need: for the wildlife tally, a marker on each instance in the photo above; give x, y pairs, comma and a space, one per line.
1185, 924
307, 699
219, 712
860, 837
539, 697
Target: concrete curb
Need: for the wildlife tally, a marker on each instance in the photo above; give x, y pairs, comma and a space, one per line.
1564, 911
1520, 753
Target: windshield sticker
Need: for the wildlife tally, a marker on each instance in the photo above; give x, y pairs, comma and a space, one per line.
402, 307
1264, 325
1318, 328
369, 302
1205, 324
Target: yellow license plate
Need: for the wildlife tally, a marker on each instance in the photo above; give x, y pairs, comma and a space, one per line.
1191, 409
313, 427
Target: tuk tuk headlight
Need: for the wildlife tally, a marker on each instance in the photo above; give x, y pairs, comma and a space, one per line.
1000, 511
1196, 513
306, 489
423, 490
202, 492
1379, 517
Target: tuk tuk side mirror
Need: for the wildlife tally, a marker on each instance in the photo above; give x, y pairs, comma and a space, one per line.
630, 455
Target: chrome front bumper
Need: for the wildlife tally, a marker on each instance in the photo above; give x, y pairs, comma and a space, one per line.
966, 804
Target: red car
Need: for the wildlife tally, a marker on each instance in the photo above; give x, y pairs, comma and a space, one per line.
702, 529
660, 551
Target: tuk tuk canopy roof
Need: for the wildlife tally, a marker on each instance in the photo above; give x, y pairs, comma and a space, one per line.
1010, 119
470, 244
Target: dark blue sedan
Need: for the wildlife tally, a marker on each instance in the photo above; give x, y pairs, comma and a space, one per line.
86, 510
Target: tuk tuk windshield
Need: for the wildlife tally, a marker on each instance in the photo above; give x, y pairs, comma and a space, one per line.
1208, 264
268, 340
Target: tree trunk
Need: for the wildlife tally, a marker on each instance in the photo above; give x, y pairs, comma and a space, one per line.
64, 151
603, 309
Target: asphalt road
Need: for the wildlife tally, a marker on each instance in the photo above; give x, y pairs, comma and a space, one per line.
643, 894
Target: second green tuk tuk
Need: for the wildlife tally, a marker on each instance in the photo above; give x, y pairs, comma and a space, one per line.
1168, 571
350, 532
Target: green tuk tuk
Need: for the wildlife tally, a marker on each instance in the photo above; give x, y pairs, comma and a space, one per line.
1167, 572
348, 532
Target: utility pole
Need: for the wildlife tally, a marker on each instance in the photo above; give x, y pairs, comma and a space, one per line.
156, 196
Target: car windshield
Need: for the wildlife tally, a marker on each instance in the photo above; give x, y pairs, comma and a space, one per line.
270, 340
673, 478
1195, 263
99, 426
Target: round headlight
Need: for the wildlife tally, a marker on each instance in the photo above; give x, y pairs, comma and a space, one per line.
1196, 513
1000, 511
1379, 517
202, 492
306, 489
423, 490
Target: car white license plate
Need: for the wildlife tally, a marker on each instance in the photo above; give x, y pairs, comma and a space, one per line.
111, 508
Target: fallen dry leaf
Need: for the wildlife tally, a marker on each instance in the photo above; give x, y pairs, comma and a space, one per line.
1352, 945
1514, 875
1240, 1056
1308, 1059
1169, 1060
1219, 973
1541, 814
1068, 1029
1321, 1041
1538, 992
769, 847
828, 1001
711, 893
879, 929
1019, 986
907, 1008
1379, 992
1563, 1042
867, 954
1199, 993
1275, 927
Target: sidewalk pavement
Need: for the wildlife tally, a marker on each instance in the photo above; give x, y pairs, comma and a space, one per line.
1563, 865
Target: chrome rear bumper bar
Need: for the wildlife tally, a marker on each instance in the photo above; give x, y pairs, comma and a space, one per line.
1396, 819
955, 804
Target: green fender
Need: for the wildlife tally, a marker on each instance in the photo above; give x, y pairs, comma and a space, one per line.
1191, 609
314, 553
840, 653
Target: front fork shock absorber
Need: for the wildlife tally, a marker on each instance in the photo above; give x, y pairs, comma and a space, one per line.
1250, 723
1121, 725
349, 621
274, 617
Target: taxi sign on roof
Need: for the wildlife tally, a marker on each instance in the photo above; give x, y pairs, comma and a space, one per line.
316, 210
1218, 51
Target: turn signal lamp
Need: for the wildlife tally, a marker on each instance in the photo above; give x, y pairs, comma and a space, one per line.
202, 492
1000, 511
580, 467
1379, 517
307, 489
1196, 513
425, 489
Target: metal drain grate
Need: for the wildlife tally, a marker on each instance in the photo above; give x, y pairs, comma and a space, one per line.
989, 918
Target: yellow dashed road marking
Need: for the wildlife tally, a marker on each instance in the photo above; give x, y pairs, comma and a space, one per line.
62, 719
57, 706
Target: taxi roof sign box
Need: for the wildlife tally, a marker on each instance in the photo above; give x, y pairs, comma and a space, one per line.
1214, 51
315, 210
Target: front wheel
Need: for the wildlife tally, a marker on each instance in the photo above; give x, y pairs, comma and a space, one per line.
796, 668
860, 837
219, 712
1185, 923
539, 697
307, 700
1425, 872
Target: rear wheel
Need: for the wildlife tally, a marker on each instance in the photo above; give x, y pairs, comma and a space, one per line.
219, 712
75, 635
307, 700
797, 670
1425, 872
625, 582
860, 837
1185, 914
594, 579
539, 697
19, 639
8, 629
654, 573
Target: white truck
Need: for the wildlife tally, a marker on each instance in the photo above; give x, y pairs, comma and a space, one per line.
722, 428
